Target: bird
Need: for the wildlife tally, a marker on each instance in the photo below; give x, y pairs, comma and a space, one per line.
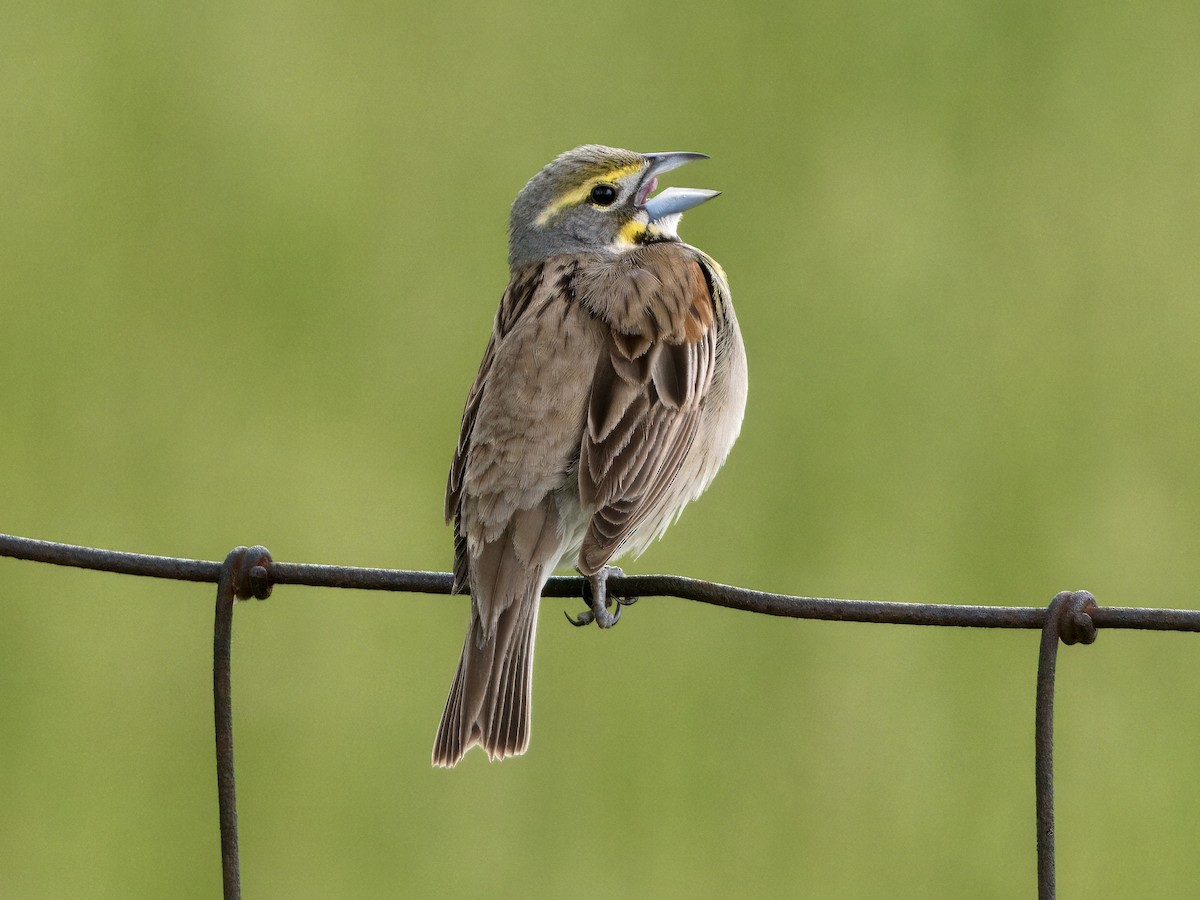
610, 392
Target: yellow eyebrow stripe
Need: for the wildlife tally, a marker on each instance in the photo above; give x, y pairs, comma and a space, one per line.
579, 194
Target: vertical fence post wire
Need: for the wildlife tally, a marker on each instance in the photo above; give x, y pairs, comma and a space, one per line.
1067, 619
243, 575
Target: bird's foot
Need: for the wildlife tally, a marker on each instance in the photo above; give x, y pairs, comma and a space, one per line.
595, 592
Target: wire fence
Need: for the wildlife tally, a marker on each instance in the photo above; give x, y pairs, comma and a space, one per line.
1072, 617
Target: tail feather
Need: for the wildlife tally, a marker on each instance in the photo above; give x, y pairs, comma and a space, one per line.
489, 702
510, 719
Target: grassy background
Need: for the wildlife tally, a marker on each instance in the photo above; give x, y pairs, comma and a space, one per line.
249, 255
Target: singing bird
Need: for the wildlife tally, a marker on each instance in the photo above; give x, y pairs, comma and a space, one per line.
610, 393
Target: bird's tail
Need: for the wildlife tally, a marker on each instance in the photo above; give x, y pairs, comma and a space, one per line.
489, 702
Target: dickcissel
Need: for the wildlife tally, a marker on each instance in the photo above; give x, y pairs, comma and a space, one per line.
610, 393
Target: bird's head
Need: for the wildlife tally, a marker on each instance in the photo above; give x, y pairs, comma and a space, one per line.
596, 198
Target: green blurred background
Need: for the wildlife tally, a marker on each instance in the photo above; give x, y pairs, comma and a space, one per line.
249, 255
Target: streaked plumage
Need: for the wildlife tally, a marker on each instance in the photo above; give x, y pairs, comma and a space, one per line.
611, 391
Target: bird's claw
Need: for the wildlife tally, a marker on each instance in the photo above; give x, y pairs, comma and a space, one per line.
584, 618
596, 594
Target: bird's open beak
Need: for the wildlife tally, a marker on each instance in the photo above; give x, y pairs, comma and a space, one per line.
665, 162
673, 201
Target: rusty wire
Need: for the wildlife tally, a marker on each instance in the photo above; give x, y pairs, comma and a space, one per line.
243, 575
1072, 617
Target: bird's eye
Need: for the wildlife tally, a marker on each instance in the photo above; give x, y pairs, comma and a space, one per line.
604, 195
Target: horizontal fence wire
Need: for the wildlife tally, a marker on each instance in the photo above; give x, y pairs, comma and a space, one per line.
1072, 617
728, 596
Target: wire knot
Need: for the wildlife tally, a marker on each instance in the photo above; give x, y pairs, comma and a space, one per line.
251, 573
1073, 610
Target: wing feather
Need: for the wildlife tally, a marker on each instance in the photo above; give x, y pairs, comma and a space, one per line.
648, 394
514, 304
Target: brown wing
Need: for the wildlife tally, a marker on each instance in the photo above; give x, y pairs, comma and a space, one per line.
648, 391
513, 305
